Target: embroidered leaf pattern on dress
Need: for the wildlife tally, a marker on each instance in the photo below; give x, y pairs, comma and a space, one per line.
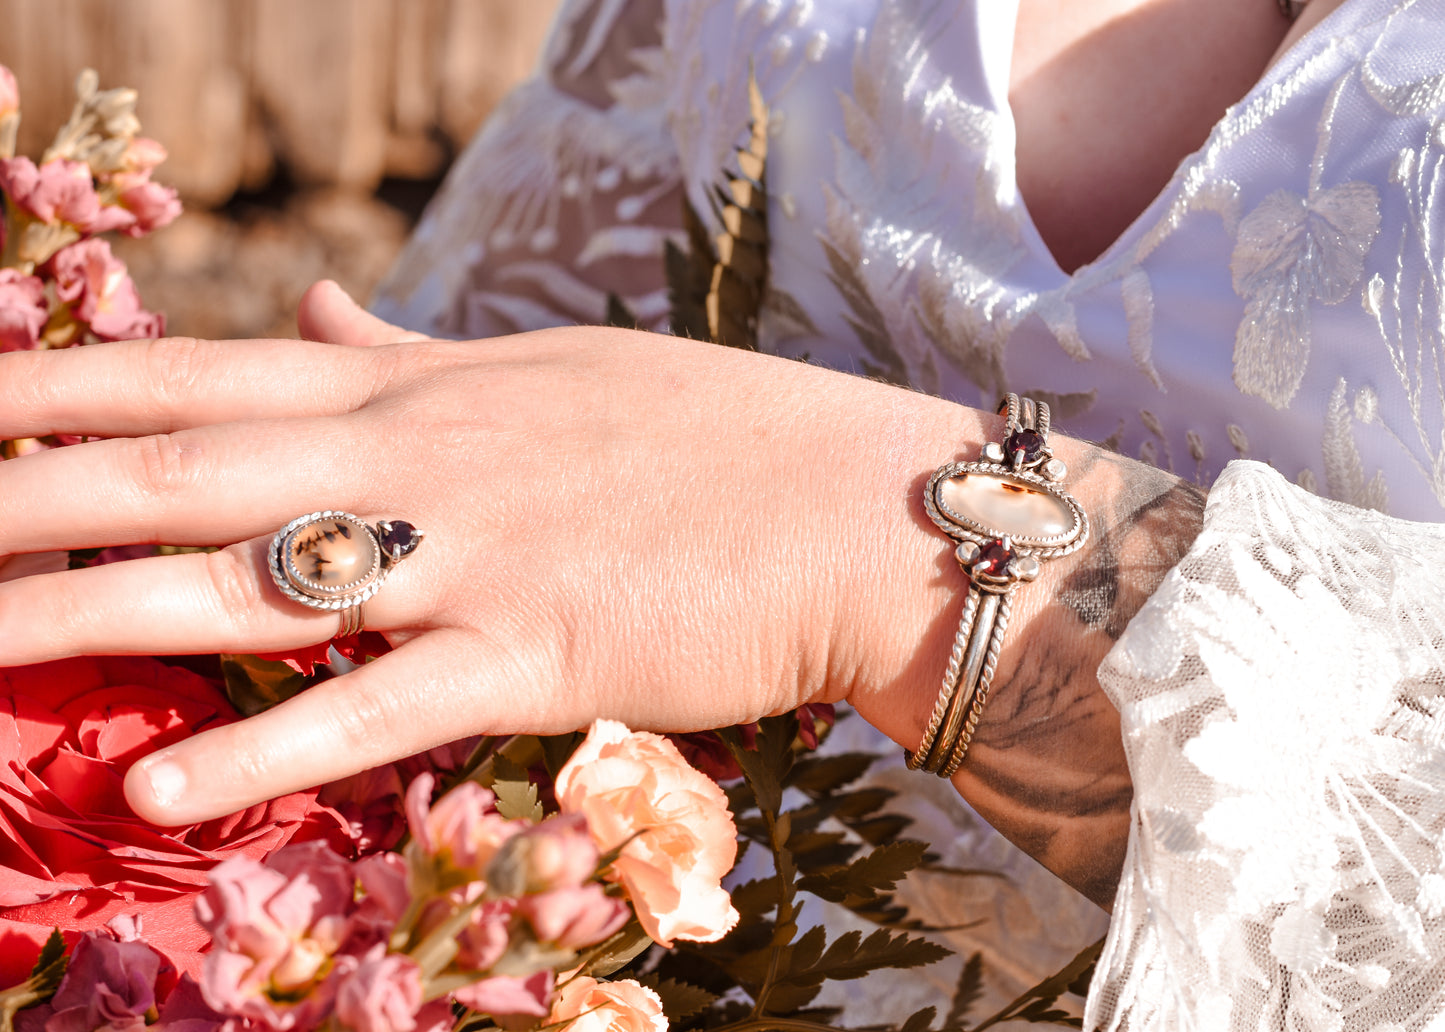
1407, 303
1291, 252
1344, 468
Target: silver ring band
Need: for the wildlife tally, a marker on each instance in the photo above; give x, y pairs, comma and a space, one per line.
351, 622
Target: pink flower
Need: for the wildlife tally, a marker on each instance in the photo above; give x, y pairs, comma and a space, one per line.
383, 878
109, 986
276, 928
151, 206
462, 831
75, 856
485, 938
574, 918
9, 92
97, 286
384, 994
503, 997
60, 190
621, 1006
23, 310
671, 822
558, 853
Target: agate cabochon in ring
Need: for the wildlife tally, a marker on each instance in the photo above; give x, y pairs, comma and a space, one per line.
331, 556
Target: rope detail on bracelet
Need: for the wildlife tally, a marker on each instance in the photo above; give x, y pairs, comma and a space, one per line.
1008, 513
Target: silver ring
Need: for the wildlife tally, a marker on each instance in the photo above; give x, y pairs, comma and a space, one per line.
333, 561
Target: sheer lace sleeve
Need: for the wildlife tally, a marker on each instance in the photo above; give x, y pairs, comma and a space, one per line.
565, 196
1283, 702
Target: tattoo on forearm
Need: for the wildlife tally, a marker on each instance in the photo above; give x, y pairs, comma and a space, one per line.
1131, 555
1048, 763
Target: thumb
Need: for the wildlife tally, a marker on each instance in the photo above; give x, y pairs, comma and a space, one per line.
327, 313
408, 701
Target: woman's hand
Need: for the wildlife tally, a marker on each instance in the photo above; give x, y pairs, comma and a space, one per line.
617, 524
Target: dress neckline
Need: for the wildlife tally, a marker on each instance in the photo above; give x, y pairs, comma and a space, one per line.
1006, 22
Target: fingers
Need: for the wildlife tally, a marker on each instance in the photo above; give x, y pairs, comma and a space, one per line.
327, 313
209, 485
424, 694
223, 601
144, 387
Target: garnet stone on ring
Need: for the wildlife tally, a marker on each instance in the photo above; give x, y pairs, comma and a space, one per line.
334, 561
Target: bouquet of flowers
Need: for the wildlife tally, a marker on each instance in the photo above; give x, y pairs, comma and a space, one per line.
521, 883
59, 282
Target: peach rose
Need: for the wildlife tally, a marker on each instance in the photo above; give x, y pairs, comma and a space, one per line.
671, 821
621, 1006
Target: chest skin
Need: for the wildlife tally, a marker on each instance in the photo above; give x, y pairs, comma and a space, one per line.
1109, 95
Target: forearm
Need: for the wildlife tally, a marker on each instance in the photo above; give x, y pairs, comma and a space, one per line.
1046, 766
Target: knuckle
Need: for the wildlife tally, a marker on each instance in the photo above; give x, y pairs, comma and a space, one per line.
237, 592
358, 721
393, 365
174, 365
164, 465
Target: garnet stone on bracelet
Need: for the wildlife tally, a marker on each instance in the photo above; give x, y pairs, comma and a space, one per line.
1008, 514
332, 560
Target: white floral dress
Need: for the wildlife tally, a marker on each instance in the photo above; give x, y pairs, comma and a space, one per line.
1283, 300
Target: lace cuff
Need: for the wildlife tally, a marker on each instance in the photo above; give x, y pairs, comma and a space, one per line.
1283, 699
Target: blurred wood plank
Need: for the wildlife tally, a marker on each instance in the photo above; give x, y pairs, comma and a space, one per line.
321, 72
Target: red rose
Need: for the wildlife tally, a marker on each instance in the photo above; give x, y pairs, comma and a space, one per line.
71, 852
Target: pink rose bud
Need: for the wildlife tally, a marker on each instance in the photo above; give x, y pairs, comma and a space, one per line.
383, 879
573, 918
23, 310
558, 853
587, 1005
670, 821
485, 938
462, 830
9, 92
382, 995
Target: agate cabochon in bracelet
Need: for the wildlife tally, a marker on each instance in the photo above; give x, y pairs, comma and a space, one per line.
993, 502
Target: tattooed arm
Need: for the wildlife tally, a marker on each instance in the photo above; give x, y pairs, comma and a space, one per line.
1047, 766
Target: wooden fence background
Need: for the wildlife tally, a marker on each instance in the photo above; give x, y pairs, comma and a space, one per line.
340, 91
337, 93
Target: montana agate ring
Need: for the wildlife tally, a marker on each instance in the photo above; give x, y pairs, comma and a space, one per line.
1008, 513
332, 560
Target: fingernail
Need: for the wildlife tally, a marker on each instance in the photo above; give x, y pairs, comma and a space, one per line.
167, 781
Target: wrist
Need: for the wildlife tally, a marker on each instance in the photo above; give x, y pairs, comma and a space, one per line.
1046, 764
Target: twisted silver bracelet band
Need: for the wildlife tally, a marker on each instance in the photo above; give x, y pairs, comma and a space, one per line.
1008, 513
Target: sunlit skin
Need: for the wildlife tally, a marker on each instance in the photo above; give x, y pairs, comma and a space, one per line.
672, 534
